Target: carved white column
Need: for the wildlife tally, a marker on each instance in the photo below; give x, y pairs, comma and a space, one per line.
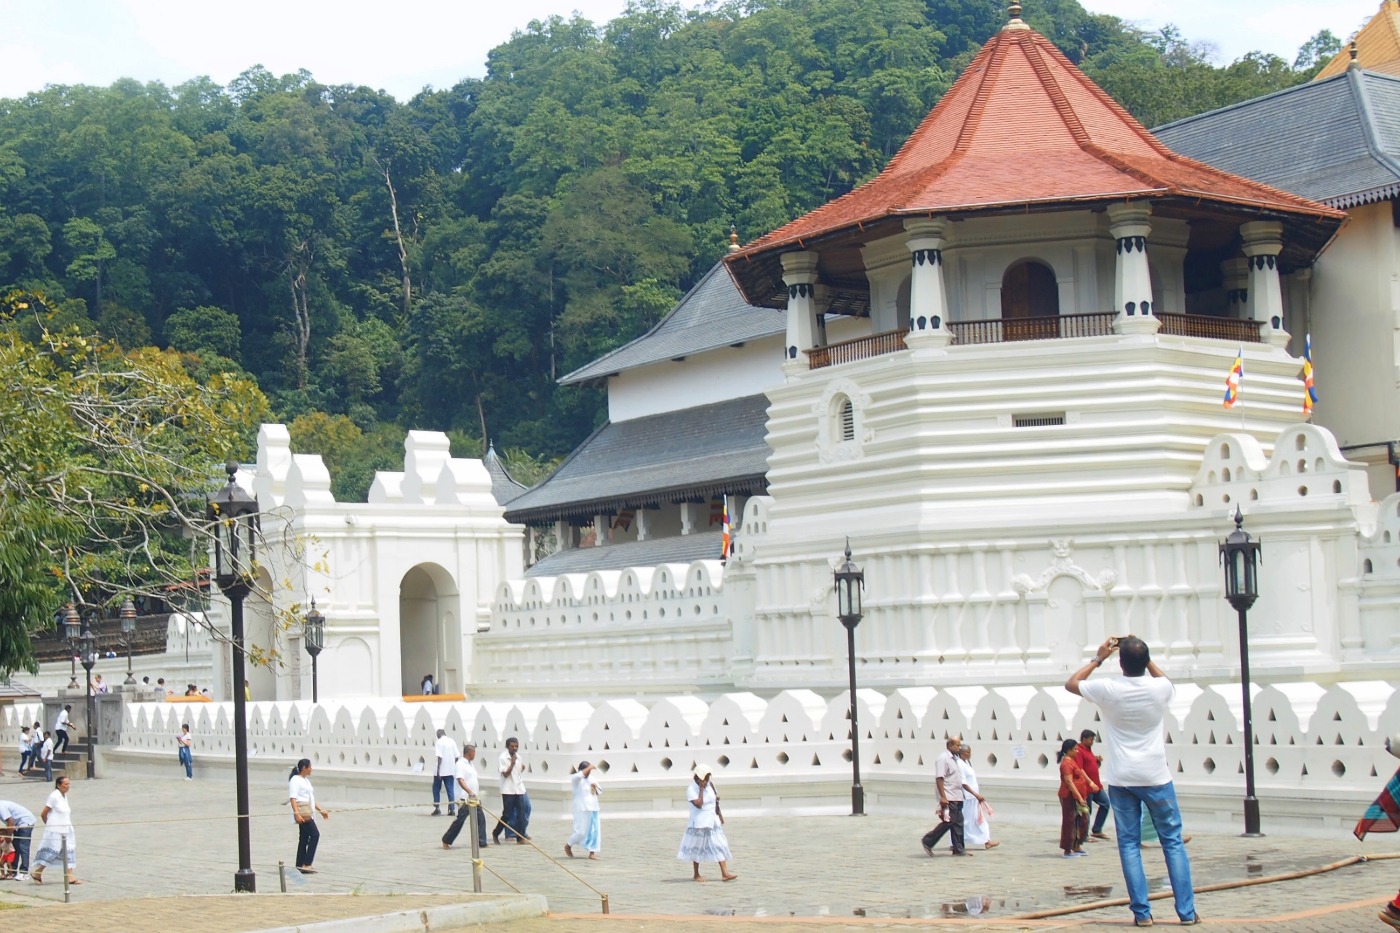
641, 520
928, 296
1132, 279
563, 535
687, 518
804, 326
602, 529
1263, 241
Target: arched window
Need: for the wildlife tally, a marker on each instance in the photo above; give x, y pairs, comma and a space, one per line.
845, 420
1030, 302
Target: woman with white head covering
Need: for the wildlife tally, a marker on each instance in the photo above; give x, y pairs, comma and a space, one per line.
704, 839
977, 827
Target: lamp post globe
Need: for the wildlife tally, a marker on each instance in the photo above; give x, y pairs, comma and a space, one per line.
1239, 557
87, 651
233, 522
127, 614
314, 637
850, 581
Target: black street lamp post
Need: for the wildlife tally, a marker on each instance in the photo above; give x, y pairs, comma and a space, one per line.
314, 637
87, 648
850, 580
127, 614
233, 515
72, 626
1240, 556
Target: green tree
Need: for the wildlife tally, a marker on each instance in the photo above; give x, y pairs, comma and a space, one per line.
105, 455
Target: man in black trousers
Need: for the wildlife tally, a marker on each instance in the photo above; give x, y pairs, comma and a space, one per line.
950, 799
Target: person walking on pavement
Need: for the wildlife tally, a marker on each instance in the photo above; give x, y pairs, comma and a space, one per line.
515, 802
1133, 708
185, 741
18, 824
1090, 762
704, 839
26, 749
587, 831
470, 785
59, 836
948, 778
1074, 800
60, 729
1382, 816
46, 756
445, 772
977, 827
304, 809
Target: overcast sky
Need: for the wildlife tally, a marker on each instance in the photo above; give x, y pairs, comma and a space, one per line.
402, 46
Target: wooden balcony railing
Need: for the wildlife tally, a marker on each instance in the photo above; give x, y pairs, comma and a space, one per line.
1003, 330
1060, 327
1221, 328
861, 348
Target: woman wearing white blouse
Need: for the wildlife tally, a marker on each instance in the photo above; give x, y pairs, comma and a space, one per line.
57, 817
304, 810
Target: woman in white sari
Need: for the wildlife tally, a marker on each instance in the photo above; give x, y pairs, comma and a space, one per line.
60, 843
977, 826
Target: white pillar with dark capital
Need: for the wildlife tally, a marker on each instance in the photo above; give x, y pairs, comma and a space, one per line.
928, 295
1132, 280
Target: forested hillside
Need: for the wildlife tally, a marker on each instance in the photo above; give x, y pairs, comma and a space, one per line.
436, 264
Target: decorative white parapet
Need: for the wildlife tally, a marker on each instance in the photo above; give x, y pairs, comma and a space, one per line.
655, 628
794, 747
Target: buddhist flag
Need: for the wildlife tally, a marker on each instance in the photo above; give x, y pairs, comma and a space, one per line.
1309, 392
1232, 381
725, 541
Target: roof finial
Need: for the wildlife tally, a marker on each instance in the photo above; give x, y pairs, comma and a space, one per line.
733, 239
1353, 65
1014, 21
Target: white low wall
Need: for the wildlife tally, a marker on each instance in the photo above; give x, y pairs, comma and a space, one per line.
1319, 754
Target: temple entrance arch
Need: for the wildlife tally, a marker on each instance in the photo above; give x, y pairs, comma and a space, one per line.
430, 632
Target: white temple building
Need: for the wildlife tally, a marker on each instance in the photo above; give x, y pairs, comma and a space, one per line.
997, 369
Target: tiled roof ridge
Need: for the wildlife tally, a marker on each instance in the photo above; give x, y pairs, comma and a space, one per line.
1242, 104
1362, 101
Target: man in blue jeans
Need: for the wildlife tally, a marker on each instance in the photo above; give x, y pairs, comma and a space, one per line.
1133, 708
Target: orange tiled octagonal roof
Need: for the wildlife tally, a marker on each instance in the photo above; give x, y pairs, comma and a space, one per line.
1021, 126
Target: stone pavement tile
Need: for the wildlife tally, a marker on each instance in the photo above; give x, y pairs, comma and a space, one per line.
141, 836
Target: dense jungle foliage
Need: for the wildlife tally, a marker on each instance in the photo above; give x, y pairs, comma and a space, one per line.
437, 264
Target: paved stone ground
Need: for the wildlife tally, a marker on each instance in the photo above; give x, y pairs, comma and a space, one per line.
142, 840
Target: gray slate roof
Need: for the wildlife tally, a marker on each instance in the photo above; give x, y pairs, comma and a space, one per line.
503, 487
694, 453
711, 315
1336, 141
677, 549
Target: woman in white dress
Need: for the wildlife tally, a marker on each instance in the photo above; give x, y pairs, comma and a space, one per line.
704, 839
57, 817
977, 827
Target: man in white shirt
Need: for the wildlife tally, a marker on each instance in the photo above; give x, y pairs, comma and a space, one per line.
60, 729
18, 824
469, 783
1133, 708
445, 772
515, 802
948, 777
26, 750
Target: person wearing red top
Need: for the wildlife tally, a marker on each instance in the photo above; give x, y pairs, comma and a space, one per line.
1075, 788
1084, 751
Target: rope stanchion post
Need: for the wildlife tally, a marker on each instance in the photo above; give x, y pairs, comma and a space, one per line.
605, 904
63, 856
473, 815
282, 874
